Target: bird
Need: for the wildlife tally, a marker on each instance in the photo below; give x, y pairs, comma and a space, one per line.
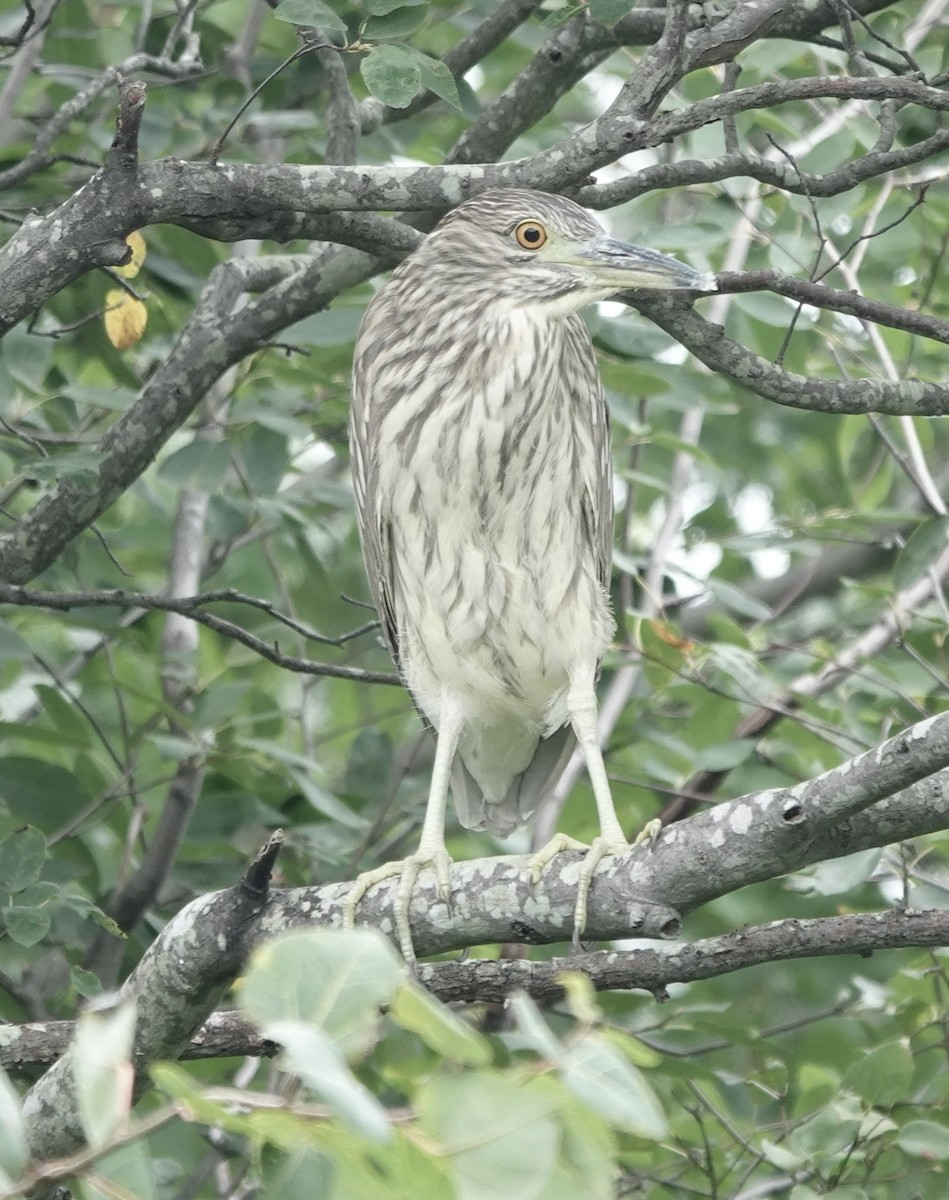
480, 459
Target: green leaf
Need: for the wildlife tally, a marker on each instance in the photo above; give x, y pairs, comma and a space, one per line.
35, 895
90, 912
379, 8
336, 327
64, 715
499, 1132
331, 979
201, 464
102, 1069
631, 1048
125, 1171
368, 764
588, 1153
924, 1139
22, 855
608, 12
86, 983
725, 755
828, 1137
780, 1156
392, 75
883, 1076
437, 78
398, 23
849, 1191
923, 547
580, 997
12, 646
312, 1056
43, 793
841, 875
265, 457
314, 13
176, 1083
13, 1151
26, 926
534, 1029
447, 1034
27, 357
603, 1079
738, 601
302, 1174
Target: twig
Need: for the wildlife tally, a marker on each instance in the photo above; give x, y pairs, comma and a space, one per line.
191, 607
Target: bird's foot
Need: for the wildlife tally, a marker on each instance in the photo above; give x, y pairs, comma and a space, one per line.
546, 854
407, 870
649, 832
599, 848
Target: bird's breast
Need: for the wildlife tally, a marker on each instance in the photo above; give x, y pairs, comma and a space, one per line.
484, 465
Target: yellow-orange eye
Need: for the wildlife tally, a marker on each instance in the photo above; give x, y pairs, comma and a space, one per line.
531, 235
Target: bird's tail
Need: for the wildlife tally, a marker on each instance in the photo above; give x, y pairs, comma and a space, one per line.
498, 783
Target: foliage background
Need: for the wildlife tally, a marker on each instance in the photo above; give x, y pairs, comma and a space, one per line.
149, 758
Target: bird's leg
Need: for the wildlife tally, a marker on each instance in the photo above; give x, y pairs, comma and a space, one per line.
582, 710
431, 851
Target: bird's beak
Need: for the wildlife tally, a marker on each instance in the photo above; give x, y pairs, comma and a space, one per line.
619, 264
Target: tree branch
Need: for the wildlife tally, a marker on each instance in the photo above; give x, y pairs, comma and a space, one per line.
228, 1033
816, 294
493, 31
709, 344
175, 986
214, 339
645, 969
192, 608
902, 783
692, 173
91, 224
635, 894
811, 684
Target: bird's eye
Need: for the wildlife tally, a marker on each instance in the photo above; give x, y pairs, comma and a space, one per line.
531, 235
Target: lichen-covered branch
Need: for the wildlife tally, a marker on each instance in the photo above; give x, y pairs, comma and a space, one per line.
176, 985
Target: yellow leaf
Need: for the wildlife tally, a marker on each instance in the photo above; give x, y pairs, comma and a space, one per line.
125, 319
136, 244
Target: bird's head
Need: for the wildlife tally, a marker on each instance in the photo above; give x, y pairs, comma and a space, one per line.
529, 247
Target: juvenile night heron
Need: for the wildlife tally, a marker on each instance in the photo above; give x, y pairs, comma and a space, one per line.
481, 465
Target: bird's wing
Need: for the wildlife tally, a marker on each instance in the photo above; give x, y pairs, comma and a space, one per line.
598, 500
375, 531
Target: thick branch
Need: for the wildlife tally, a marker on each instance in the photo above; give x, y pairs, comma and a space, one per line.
39, 154
756, 837
228, 1033
87, 230
641, 893
176, 985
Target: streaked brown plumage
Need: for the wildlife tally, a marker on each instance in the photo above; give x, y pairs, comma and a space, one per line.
481, 466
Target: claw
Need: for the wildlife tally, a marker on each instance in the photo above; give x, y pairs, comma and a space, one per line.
599, 848
546, 854
649, 833
407, 870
